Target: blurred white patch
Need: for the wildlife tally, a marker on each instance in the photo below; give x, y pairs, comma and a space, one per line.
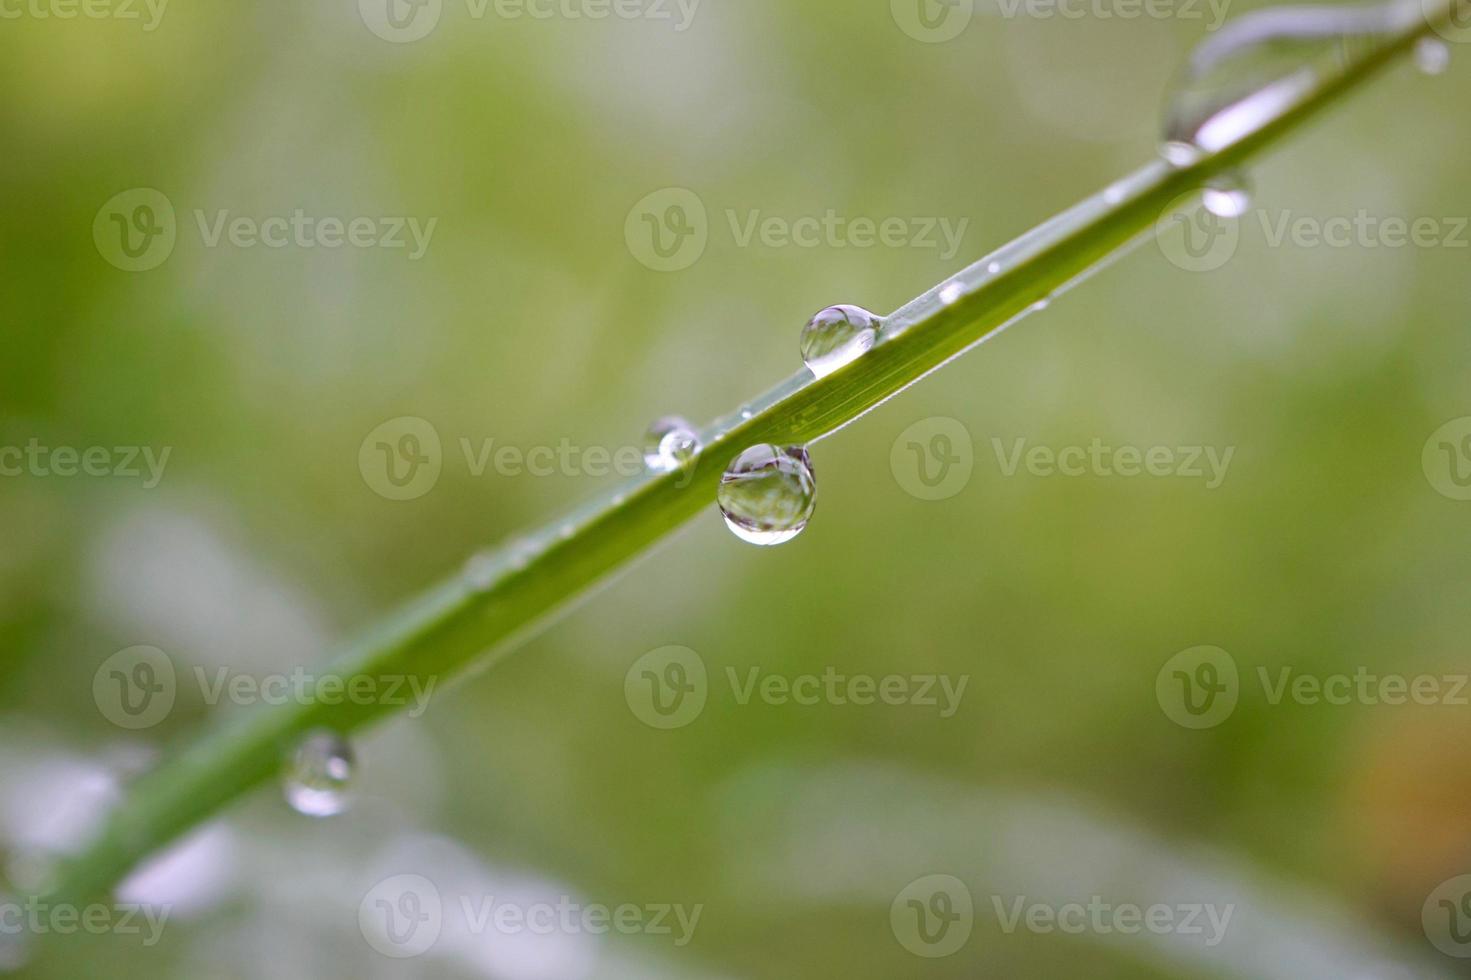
51, 802
190, 877
174, 580
859, 832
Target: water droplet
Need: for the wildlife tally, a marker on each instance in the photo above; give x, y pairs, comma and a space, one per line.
318, 776
837, 336
994, 268
1261, 65
746, 412
481, 570
670, 443
951, 291
1227, 196
1432, 55
768, 494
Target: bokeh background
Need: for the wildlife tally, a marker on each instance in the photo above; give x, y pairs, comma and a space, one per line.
1328, 547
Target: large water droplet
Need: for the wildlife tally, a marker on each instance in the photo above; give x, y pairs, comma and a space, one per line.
1432, 55
670, 443
318, 776
1227, 196
1259, 66
837, 336
767, 494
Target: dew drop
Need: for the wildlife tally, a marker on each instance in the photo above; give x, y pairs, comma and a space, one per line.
318, 776
481, 570
670, 443
837, 336
994, 268
1227, 196
1432, 55
1260, 66
767, 494
951, 291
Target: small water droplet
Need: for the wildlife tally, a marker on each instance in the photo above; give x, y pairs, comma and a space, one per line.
670, 443
318, 776
951, 291
837, 336
767, 494
1263, 64
746, 412
481, 570
1432, 55
1227, 196
994, 268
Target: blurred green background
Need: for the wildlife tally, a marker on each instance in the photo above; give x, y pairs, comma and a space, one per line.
1326, 549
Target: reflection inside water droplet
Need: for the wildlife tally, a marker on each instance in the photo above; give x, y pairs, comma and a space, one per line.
669, 444
318, 777
837, 336
767, 494
1227, 196
1260, 65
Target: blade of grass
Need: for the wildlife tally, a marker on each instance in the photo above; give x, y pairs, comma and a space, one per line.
467, 621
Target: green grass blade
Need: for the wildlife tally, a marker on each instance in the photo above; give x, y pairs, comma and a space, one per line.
467, 620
